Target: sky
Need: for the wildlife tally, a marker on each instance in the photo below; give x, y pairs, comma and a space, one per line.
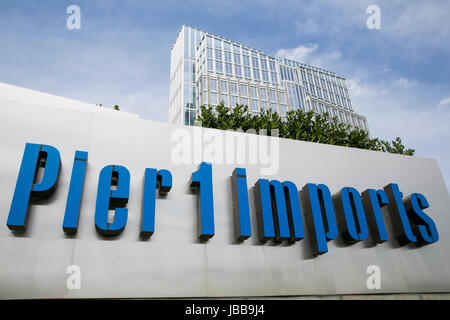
398, 75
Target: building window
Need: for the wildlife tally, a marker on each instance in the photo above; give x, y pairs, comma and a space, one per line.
217, 43
274, 77
247, 73
209, 53
263, 93
223, 86
273, 95
244, 90
256, 74
233, 88
209, 41
237, 58
272, 65
244, 101
255, 63
210, 65
218, 54
219, 67
255, 106
282, 97
265, 76
213, 84
228, 69
253, 92
227, 56
263, 64
246, 60
234, 101
237, 71
224, 99
264, 105
213, 98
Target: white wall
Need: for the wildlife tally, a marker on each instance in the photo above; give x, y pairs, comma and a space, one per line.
173, 262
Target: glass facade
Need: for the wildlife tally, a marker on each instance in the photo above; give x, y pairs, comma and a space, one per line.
217, 70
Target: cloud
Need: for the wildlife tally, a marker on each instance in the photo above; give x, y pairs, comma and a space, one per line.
404, 83
309, 54
444, 102
299, 53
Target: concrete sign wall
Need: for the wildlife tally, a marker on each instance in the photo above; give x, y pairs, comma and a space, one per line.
44, 262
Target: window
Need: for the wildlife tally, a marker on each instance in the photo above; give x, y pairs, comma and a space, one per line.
273, 95
213, 84
246, 60
274, 106
219, 66
256, 74
224, 99
233, 88
209, 41
253, 92
209, 53
237, 58
283, 109
244, 90
205, 83
247, 73
244, 101
314, 106
264, 105
237, 71
311, 89
263, 64
236, 48
213, 98
274, 77
228, 68
227, 56
265, 76
223, 86
226, 46
210, 65
218, 54
272, 65
218, 43
282, 97
263, 93
234, 101
255, 106
303, 75
255, 63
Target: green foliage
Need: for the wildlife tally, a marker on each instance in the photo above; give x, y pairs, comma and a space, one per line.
298, 125
116, 107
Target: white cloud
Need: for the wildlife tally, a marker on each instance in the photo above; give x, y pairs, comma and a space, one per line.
309, 54
404, 83
444, 102
299, 53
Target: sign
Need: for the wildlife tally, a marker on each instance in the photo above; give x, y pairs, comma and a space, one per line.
95, 200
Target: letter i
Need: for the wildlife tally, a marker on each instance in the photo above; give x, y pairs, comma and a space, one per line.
240, 204
71, 216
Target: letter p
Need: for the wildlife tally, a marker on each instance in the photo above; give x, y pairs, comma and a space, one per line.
27, 190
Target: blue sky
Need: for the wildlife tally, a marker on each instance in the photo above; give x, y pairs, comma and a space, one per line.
399, 75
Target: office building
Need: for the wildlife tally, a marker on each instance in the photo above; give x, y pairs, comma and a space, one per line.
207, 69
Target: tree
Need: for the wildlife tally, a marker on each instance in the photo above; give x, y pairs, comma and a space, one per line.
116, 107
297, 125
